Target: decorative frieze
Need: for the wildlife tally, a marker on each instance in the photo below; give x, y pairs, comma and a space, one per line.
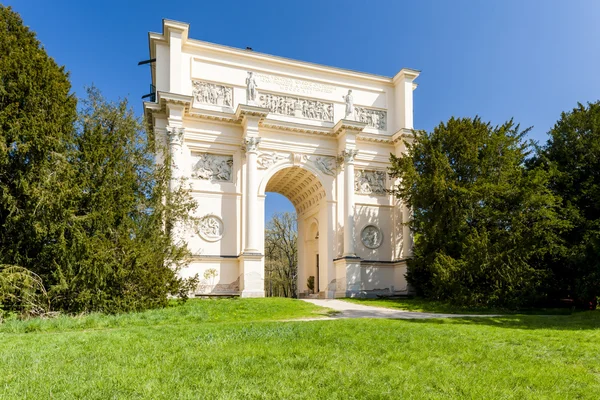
212, 167
210, 93
265, 160
369, 182
293, 106
374, 118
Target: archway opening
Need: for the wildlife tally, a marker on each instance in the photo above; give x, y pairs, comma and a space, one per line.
292, 239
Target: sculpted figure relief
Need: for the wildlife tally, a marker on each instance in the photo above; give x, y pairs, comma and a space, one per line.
371, 236
265, 160
251, 89
326, 164
212, 167
373, 118
210, 93
211, 227
297, 107
369, 182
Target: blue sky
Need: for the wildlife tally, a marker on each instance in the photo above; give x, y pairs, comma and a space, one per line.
523, 59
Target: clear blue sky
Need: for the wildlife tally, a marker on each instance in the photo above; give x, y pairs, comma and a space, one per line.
522, 59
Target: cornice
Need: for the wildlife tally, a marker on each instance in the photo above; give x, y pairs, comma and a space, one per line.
182, 27
406, 73
365, 137
245, 110
348, 125
402, 134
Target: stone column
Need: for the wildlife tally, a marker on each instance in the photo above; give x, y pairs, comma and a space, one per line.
349, 245
251, 148
175, 137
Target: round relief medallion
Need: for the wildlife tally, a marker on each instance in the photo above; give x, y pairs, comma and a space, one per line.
371, 236
211, 228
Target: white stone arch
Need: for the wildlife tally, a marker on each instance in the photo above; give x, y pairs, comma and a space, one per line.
326, 181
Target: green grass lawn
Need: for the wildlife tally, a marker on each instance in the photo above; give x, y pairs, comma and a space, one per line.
432, 306
222, 349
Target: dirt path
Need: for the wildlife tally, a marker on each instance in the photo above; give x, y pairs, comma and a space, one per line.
351, 310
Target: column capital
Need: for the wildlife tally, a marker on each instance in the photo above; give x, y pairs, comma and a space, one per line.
251, 144
175, 134
347, 156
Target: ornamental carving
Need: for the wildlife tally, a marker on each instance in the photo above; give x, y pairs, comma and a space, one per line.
251, 144
347, 156
369, 182
326, 164
210, 93
175, 134
212, 167
210, 228
374, 118
371, 236
265, 160
293, 106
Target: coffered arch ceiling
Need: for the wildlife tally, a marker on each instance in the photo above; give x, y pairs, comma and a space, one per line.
300, 186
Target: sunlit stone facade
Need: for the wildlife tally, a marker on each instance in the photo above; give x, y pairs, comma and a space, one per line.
239, 124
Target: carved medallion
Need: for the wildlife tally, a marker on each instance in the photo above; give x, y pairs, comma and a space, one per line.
369, 182
212, 167
210, 228
210, 93
371, 236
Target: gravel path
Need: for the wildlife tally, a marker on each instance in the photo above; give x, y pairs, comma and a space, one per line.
352, 310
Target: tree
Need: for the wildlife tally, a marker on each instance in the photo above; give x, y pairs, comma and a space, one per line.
482, 222
84, 209
37, 113
572, 155
121, 257
281, 253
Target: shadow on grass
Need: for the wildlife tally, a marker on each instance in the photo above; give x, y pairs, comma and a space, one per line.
583, 320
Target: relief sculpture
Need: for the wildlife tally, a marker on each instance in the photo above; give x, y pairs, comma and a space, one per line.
211, 228
297, 107
210, 93
326, 164
265, 160
369, 182
373, 118
213, 167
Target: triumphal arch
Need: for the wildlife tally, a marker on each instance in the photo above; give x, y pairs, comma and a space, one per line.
239, 124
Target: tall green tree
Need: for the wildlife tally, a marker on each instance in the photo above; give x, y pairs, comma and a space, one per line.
37, 113
482, 222
572, 154
121, 254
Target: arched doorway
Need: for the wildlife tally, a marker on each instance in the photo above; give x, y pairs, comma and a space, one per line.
308, 195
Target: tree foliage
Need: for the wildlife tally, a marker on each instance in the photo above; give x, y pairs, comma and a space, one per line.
572, 154
483, 223
84, 209
36, 122
120, 256
281, 253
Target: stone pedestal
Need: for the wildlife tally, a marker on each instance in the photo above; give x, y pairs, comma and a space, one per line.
348, 277
252, 282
